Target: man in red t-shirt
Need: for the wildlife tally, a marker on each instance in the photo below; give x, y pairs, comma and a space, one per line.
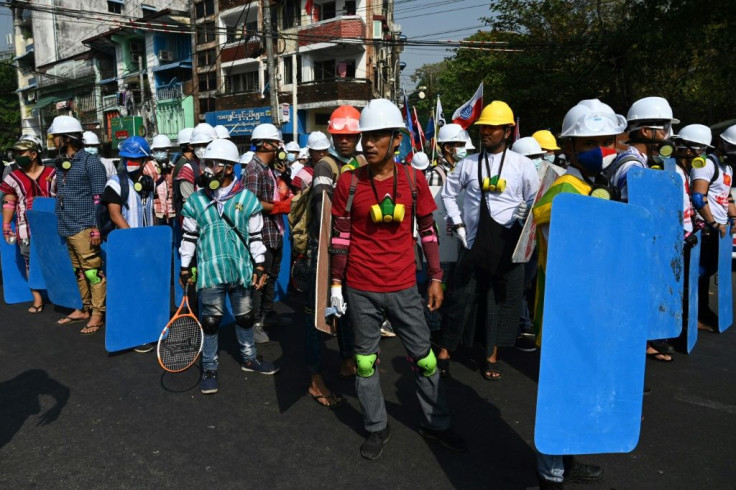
373, 255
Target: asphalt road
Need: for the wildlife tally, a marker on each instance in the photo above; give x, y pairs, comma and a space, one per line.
74, 416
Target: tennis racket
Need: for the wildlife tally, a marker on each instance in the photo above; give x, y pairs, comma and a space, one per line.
182, 339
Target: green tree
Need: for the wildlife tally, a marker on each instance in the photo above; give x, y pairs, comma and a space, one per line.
9, 107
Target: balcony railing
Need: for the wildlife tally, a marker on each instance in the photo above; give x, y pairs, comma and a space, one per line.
171, 92
338, 88
342, 27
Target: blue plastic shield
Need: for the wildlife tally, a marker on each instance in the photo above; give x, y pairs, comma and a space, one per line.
670, 164
282, 283
45, 204
692, 295
660, 192
138, 280
591, 375
53, 258
35, 275
15, 285
725, 287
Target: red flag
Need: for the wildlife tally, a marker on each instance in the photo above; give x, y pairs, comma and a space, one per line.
469, 112
309, 6
418, 130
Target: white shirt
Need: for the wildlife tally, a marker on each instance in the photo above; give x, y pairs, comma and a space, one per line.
522, 183
719, 190
618, 179
687, 206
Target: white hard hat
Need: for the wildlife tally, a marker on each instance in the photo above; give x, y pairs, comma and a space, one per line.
420, 160
696, 133
729, 135
222, 149
528, 147
381, 114
469, 142
292, 146
651, 109
222, 132
246, 157
160, 141
592, 117
202, 133
451, 133
32, 137
318, 141
184, 136
266, 131
65, 125
89, 138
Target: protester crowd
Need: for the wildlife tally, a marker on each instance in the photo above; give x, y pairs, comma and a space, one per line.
452, 222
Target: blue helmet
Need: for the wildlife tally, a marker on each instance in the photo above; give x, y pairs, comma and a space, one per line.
134, 147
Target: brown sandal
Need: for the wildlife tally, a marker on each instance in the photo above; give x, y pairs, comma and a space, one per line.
332, 400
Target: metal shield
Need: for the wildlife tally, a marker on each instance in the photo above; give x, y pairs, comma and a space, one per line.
138, 280
725, 287
53, 259
591, 377
660, 192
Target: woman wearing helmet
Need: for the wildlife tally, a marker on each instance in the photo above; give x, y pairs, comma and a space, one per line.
163, 204
30, 180
217, 220
372, 253
80, 182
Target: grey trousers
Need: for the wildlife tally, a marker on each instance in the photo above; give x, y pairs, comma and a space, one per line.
404, 310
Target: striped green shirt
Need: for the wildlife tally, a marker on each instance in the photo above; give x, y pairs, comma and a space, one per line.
221, 255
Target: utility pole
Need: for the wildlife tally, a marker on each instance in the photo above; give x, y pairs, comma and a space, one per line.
271, 63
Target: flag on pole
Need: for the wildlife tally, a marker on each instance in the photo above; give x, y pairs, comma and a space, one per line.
429, 133
469, 112
418, 130
309, 6
439, 116
407, 117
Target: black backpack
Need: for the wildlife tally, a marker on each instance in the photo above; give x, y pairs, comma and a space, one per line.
102, 214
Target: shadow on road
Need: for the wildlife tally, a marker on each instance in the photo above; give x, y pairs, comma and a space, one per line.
19, 399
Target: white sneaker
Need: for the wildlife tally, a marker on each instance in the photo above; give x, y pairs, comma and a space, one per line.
386, 330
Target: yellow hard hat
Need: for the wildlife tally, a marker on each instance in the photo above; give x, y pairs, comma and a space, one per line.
497, 113
546, 140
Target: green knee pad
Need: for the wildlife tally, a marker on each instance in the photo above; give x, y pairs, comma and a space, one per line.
365, 365
92, 276
427, 364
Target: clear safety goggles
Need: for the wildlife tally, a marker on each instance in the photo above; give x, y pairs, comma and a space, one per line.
215, 163
601, 123
342, 123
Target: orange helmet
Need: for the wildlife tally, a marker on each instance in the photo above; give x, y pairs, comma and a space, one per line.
344, 120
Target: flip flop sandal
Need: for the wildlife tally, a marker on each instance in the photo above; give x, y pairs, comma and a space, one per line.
654, 356
91, 329
35, 309
333, 400
491, 371
67, 320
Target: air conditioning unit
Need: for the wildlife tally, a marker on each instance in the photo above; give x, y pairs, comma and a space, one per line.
136, 58
165, 55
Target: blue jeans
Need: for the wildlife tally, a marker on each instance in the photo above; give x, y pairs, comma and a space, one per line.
213, 304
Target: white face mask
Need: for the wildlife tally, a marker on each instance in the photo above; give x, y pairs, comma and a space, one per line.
537, 162
549, 158
92, 150
199, 151
460, 153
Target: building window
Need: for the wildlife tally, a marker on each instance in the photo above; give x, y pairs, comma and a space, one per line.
345, 69
115, 7
243, 82
291, 13
287, 69
349, 7
204, 9
324, 70
148, 10
206, 58
206, 104
207, 81
205, 32
328, 11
